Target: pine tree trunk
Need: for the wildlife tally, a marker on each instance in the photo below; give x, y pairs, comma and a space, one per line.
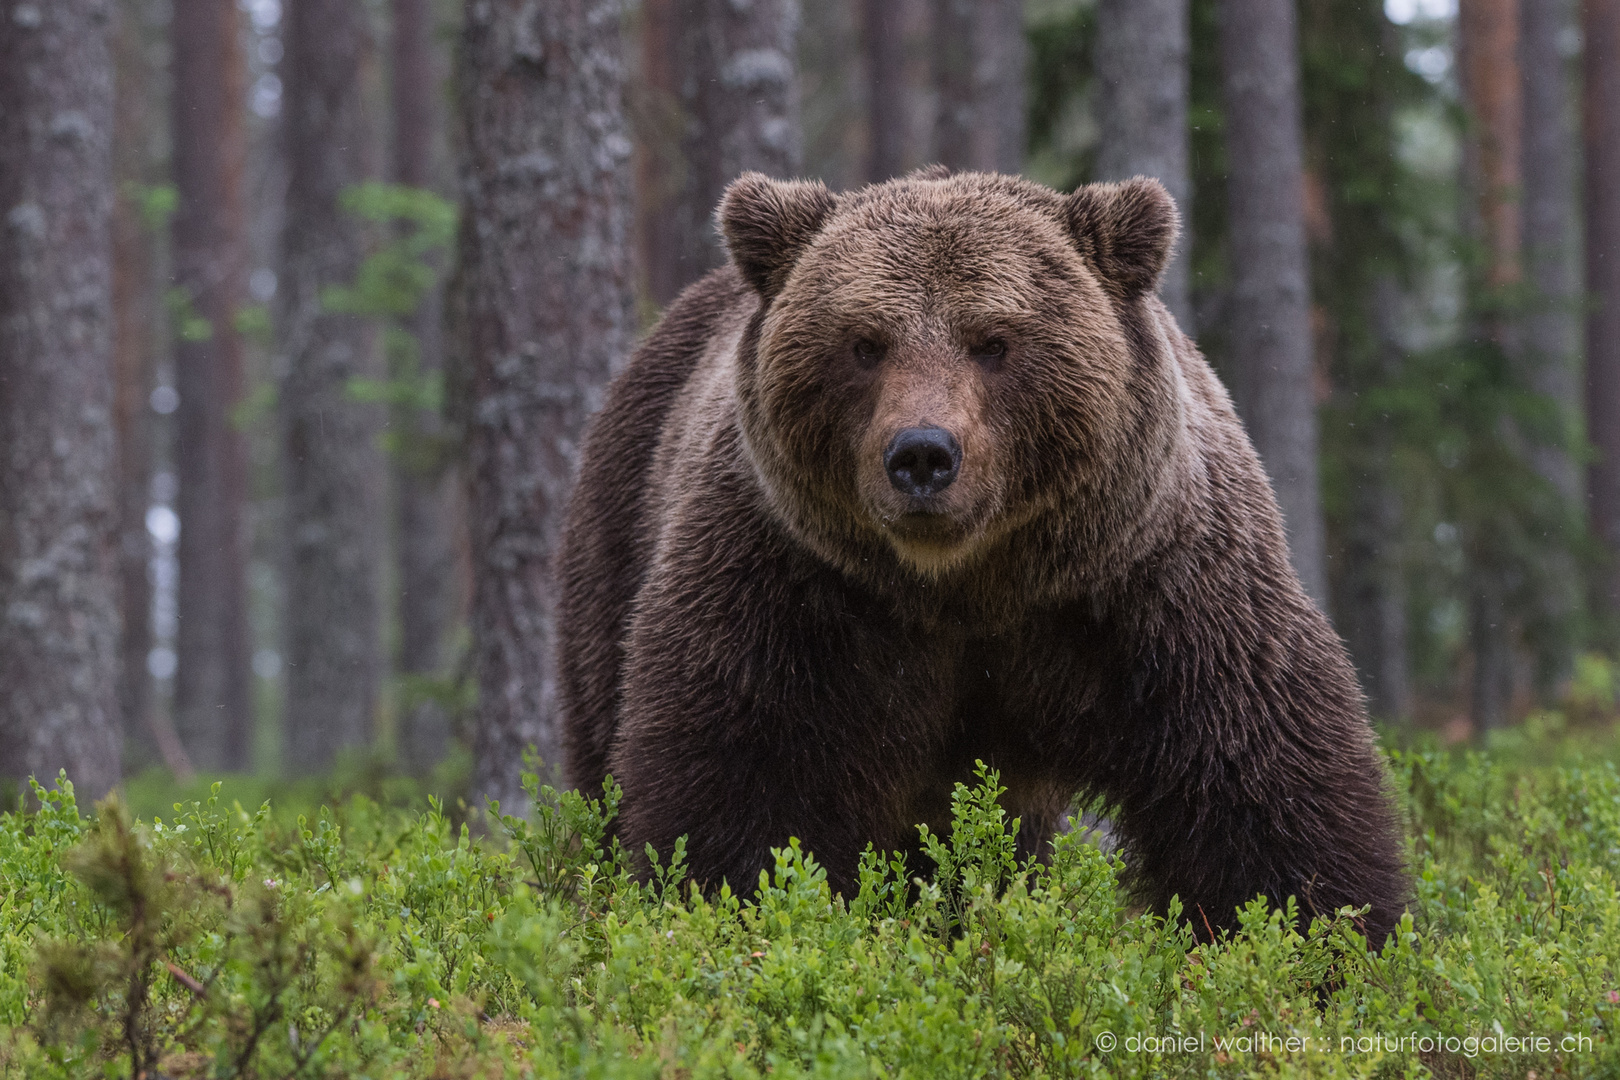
543, 311
1488, 66
1601, 74
980, 58
894, 42
832, 93
148, 736
1551, 331
135, 305
213, 704
661, 172
1272, 370
335, 473
1142, 52
729, 72
424, 521
59, 586
1372, 609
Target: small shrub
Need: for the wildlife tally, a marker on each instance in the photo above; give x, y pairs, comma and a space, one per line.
376, 941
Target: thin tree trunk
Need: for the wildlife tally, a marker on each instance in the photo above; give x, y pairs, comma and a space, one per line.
1142, 51
148, 736
894, 39
59, 586
135, 304
213, 703
1271, 347
1488, 63
424, 521
662, 173
543, 307
730, 72
1551, 330
1602, 180
980, 57
335, 474
832, 92
1373, 606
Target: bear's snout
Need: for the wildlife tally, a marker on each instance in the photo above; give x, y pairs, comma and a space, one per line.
922, 461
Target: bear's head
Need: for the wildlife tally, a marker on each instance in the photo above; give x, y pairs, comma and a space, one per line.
941, 361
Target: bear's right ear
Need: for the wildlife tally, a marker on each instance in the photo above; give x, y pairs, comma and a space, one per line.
767, 224
1125, 230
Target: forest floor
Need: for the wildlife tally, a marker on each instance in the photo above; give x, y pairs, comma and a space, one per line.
225, 937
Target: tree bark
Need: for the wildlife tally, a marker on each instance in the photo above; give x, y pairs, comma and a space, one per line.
335, 473
726, 72
1271, 348
1601, 132
1142, 51
893, 41
59, 586
832, 93
1488, 66
213, 704
543, 307
135, 304
1550, 339
1371, 611
424, 511
980, 57
148, 736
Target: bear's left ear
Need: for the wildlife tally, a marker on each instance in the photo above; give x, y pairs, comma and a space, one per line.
767, 224
1125, 230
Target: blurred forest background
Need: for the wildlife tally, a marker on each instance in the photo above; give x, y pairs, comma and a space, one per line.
304, 304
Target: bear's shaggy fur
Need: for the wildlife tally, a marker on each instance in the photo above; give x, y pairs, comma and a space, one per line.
763, 637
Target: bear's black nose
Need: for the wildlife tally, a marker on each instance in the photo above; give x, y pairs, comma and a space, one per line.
922, 461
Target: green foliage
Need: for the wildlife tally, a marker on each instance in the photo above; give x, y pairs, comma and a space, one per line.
393, 280
364, 940
1062, 133
391, 287
188, 324
156, 203
253, 323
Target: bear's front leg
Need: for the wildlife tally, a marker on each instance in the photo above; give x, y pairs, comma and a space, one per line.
1238, 753
765, 699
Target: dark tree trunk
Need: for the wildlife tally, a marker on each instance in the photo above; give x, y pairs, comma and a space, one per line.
727, 72
135, 304
335, 474
980, 57
1142, 52
894, 43
148, 736
424, 522
59, 585
1269, 315
213, 705
543, 307
1551, 331
1372, 608
832, 93
1602, 159
1488, 65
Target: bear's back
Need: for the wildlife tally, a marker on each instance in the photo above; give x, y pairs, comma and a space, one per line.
608, 536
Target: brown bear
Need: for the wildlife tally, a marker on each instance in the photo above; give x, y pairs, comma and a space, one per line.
927, 475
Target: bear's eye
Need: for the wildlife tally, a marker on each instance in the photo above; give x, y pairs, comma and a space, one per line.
991, 352
868, 351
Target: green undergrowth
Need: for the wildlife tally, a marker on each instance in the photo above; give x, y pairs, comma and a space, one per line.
367, 940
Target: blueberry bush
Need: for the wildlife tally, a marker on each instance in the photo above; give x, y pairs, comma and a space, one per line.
366, 940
